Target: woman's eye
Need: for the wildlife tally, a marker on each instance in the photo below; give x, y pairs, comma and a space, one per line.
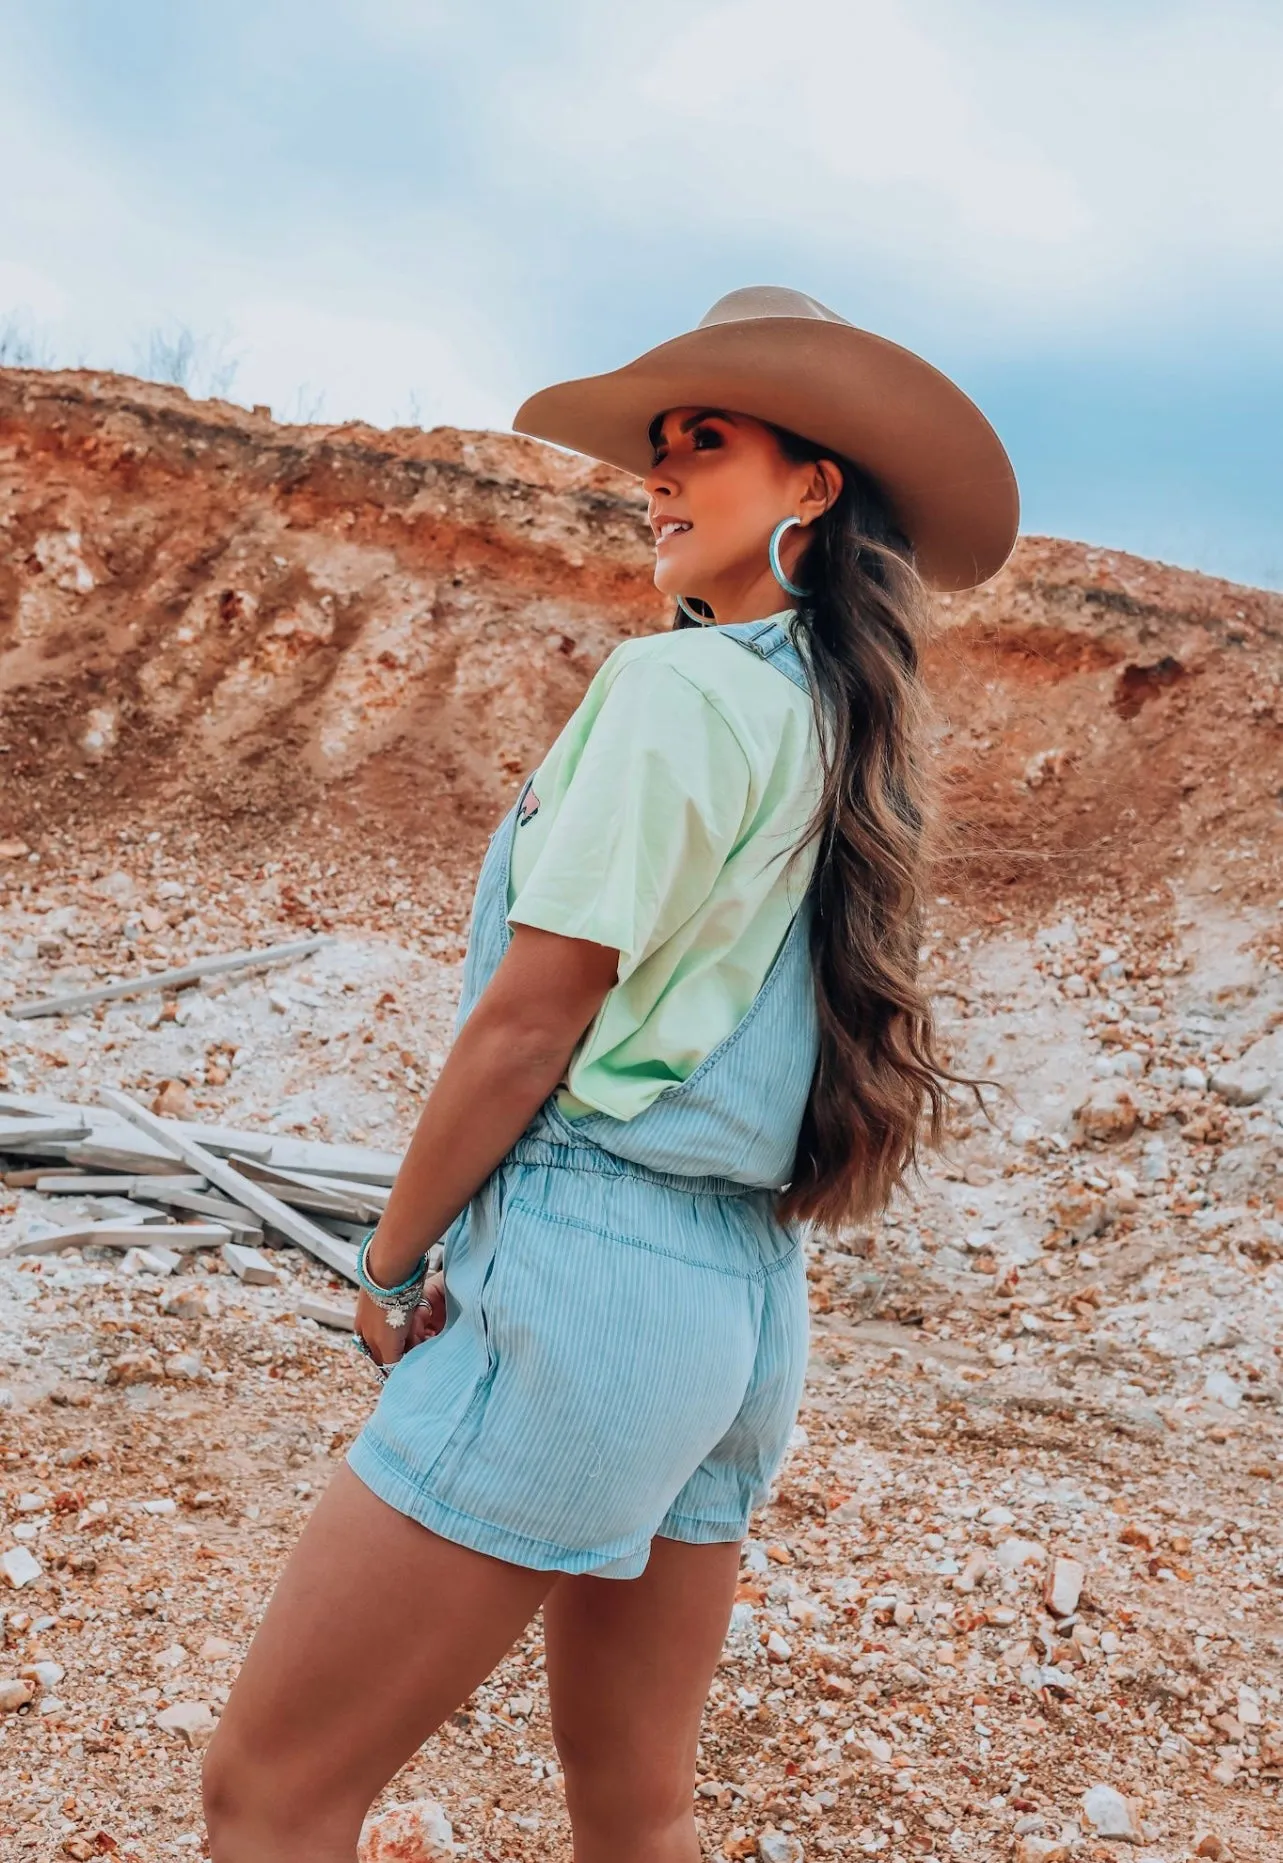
707, 433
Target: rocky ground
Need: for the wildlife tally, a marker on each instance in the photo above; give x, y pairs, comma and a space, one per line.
1019, 1592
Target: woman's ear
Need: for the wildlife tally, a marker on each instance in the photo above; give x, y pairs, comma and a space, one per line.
822, 491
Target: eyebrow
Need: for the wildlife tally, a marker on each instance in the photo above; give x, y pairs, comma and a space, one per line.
706, 414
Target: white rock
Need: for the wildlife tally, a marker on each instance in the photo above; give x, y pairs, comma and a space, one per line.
412, 1833
193, 1721
162, 1506
997, 1516
1249, 1707
780, 1847
14, 1694
19, 1567
777, 1647
250, 1265
45, 1675
1108, 1813
1194, 1078
1222, 1388
172, 1658
1064, 1586
1012, 1554
215, 1649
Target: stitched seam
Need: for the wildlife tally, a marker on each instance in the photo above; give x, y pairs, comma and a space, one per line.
638, 1242
637, 1173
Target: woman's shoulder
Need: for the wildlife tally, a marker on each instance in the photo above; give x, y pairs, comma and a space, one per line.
722, 670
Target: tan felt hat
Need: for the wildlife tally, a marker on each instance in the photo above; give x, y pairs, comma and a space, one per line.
786, 358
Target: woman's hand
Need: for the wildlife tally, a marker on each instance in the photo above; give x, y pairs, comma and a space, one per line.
387, 1343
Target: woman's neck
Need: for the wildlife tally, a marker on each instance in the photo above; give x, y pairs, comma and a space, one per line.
757, 600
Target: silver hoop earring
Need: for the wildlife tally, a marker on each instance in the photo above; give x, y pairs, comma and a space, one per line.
773, 551
687, 610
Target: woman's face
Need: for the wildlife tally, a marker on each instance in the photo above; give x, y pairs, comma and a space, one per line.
718, 486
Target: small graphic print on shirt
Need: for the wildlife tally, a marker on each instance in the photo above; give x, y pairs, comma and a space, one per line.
529, 808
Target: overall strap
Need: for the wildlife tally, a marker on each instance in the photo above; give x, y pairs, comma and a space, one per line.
770, 641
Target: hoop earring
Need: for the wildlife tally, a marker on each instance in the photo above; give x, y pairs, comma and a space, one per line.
687, 610
773, 551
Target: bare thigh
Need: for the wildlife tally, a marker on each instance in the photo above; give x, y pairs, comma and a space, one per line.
629, 1664
377, 1630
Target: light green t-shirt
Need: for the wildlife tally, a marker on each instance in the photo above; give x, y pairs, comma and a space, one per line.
660, 824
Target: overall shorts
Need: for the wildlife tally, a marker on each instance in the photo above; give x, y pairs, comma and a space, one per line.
626, 1325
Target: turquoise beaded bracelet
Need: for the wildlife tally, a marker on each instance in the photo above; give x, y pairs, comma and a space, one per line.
396, 1303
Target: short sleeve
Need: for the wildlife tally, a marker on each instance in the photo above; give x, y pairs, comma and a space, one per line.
652, 809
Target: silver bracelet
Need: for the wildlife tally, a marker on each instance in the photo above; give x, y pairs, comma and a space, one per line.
395, 1303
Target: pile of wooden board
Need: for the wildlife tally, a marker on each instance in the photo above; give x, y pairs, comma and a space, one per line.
164, 1185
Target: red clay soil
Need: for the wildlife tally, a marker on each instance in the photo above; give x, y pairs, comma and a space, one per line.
258, 629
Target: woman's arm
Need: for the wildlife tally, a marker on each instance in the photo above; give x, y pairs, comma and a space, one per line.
510, 1053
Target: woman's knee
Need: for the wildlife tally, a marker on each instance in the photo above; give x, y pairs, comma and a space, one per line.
261, 1811
627, 1789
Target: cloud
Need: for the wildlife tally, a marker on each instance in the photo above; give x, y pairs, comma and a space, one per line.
1041, 168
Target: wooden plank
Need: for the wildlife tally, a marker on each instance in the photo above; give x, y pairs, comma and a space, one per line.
84, 1184
30, 1134
304, 1234
123, 1210
336, 1313
135, 1160
167, 1182
248, 1265
316, 1158
356, 1165
217, 1209
167, 979
316, 1194
180, 1236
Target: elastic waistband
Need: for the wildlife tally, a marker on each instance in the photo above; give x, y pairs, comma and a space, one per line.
562, 1157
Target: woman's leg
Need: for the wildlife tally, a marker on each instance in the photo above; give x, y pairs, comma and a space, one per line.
377, 1630
629, 1663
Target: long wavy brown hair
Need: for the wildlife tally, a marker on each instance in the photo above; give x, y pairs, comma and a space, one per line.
881, 1091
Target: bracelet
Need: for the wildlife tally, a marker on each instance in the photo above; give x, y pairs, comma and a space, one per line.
396, 1303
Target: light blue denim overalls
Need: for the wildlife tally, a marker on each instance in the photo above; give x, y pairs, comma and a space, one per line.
626, 1319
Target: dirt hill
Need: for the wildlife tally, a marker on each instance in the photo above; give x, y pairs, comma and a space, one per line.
207, 613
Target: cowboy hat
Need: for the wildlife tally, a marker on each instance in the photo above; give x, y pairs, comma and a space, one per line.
783, 357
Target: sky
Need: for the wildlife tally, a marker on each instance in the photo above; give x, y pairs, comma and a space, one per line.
423, 210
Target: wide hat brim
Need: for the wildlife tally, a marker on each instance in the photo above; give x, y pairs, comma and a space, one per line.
939, 463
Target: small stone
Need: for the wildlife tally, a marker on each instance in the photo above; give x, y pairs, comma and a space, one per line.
777, 1649
1208, 1844
163, 1505
1012, 1554
522, 1706
1064, 1587
14, 1694
193, 1721
1249, 1706
779, 1847
1109, 1113
184, 1365
215, 1649
45, 1675
188, 1302
173, 1101
134, 1368
974, 1567
1040, 1850
1219, 1386
418, 1832
1109, 1814
19, 1567
250, 1265
172, 1658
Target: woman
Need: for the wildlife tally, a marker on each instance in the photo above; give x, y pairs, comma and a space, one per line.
691, 1025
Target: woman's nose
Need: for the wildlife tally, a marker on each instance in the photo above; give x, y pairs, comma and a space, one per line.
659, 481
